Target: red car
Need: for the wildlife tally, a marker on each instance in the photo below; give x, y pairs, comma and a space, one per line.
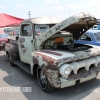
3, 39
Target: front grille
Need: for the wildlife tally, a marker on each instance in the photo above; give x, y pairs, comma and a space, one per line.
82, 73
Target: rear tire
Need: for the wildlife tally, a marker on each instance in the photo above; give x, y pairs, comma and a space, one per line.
10, 61
43, 81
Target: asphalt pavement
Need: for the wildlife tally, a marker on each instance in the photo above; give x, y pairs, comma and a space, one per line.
15, 84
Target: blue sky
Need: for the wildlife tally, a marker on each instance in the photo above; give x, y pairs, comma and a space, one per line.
57, 8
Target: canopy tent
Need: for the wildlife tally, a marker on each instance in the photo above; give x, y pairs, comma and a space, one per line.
9, 21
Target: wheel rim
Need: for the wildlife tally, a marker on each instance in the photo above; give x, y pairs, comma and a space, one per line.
42, 79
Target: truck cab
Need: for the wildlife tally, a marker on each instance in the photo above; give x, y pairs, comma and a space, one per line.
29, 31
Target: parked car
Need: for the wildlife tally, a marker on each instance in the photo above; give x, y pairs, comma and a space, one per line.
3, 39
91, 37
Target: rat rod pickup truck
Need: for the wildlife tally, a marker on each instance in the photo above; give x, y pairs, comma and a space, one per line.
45, 48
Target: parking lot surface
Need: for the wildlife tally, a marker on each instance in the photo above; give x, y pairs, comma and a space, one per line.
15, 84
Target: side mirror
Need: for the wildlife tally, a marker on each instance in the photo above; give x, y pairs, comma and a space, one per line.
17, 37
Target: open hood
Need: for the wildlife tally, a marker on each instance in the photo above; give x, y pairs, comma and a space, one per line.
77, 25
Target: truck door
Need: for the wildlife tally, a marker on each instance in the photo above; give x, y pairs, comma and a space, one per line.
25, 42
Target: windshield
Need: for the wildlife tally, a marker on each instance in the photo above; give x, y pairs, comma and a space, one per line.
41, 29
3, 35
97, 36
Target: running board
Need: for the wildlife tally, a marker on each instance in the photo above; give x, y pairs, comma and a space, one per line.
23, 66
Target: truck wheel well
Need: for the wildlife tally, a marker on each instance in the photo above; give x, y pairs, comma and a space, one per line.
35, 70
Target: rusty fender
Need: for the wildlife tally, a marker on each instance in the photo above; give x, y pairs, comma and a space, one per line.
40, 59
50, 69
53, 77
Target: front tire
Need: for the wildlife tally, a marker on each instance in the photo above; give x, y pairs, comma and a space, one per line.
43, 81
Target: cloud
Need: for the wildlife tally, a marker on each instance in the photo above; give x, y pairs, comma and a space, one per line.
20, 5
74, 6
2, 7
57, 8
52, 1
94, 3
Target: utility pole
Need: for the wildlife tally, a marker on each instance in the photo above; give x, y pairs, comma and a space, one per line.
29, 14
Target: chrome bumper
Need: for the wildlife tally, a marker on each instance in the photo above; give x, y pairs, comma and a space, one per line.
81, 77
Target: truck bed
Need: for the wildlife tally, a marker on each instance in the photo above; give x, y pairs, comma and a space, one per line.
12, 39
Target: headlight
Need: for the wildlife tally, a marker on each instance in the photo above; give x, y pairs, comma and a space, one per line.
65, 70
